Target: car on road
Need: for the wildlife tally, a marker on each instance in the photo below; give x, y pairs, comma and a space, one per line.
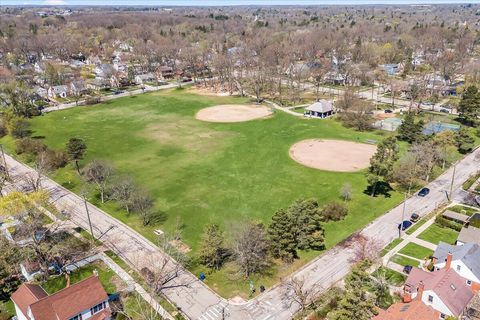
424, 192
414, 217
405, 225
444, 110
407, 269
388, 111
116, 92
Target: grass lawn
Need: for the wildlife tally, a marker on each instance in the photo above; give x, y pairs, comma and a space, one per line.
105, 275
209, 172
464, 210
7, 310
416, 251
392, 277
390, 246
436, 233
404, 261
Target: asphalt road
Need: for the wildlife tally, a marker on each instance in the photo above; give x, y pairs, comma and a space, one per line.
195, 299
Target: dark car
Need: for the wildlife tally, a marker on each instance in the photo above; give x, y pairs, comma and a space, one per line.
424, 192
414, 217
388, 111
444, 111
405, 225
407, 269
118, 92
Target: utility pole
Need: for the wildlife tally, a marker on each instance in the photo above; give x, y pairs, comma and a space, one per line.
88, 215
451, 183
403, 215
4, 162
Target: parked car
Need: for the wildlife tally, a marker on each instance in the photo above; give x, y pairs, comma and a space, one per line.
388, 111
405, 225
424, 192
414, 217
116, 92
444, 111
407, 269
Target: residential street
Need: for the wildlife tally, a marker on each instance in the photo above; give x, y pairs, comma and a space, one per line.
195, 299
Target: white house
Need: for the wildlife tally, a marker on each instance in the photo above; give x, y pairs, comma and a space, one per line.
463, 259
86, 299
144, 78
443, 290
58, 92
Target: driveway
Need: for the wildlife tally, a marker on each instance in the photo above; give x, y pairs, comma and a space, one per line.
196, 300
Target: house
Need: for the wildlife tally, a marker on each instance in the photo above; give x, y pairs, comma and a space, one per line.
58, 91
414, 310
320, 109
335, 78
78, 87
30, 269
468, 234
443, 290
99, 84
86, 299
144, 78
166, 72
104, 70
463, 259
390, 68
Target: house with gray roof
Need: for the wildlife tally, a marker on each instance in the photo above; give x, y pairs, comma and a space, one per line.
465, 260
320, 109
468, 234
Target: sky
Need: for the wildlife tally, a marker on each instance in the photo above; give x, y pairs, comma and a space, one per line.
224, 2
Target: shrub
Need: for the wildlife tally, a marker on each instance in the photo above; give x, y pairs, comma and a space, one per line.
441, 221
334, 211
19, 128
29, 146
55, 159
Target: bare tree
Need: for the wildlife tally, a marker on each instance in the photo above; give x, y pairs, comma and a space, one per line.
123, 190
250, 247
99, 173
297, 291
365, 248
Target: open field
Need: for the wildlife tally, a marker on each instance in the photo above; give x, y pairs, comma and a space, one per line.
207, 172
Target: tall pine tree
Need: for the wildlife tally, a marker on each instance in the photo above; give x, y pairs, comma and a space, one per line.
212, 250
469, 106
281, 233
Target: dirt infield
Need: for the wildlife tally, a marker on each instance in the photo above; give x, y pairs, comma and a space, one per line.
233, 113
332, 155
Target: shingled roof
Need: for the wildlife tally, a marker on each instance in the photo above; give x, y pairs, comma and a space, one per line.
468, 253
63, 304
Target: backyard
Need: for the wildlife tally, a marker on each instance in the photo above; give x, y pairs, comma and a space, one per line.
200, 172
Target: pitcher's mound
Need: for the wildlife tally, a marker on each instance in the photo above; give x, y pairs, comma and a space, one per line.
233, 113
332, 155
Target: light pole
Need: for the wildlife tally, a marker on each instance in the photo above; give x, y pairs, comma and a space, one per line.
88, 216
453, 179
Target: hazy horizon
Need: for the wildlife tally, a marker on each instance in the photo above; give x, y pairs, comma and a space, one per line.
227, 2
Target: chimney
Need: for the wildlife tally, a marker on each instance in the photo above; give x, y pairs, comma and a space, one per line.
420, 289
67, 277
407, 294
448, 261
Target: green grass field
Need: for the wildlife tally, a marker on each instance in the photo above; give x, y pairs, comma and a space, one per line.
392, 277
404, 261
209, 172
416, 251
436, 233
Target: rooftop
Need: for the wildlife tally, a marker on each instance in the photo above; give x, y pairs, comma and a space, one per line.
414, 310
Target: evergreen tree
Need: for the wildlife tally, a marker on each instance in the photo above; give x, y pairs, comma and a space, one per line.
465, 141
76, 148
281, 233
469, 106
381, 164
307, 215
212, 250
409, 130
356, 304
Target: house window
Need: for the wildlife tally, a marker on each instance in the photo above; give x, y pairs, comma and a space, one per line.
459, 267
430, 298
77, 317
442, 316
469, 282
97, 308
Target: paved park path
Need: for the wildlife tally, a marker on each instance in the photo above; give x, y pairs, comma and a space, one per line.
195, 299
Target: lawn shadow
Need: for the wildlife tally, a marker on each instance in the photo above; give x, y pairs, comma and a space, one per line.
38, 137
382, 188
